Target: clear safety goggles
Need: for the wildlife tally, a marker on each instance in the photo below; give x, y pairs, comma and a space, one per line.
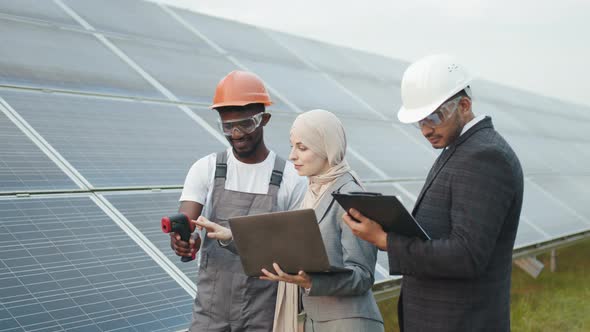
245, 126
436, 118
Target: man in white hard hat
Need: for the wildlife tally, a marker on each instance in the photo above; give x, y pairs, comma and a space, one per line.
470, 206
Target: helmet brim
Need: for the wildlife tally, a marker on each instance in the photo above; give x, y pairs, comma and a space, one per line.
411, 115
239, 103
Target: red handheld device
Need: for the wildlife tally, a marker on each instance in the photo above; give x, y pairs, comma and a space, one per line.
180, 224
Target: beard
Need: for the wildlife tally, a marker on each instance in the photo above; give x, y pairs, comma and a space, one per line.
457, 132
250, 150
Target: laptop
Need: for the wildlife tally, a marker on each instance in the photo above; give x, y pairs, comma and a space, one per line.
291, 239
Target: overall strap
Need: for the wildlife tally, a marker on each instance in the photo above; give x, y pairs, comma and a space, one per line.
221, 165
220, 175
277, 173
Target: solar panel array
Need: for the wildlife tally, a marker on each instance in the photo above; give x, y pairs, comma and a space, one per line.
97, 96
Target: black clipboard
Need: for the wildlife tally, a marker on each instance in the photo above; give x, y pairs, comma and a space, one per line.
387, 210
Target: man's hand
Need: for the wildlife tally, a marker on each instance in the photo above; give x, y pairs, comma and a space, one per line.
183, 248
301, 279
366, 228
214, 231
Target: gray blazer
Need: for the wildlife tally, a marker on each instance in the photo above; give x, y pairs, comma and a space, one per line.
342, 295
470, 205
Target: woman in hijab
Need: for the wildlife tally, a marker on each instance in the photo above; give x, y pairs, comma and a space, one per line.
332, 302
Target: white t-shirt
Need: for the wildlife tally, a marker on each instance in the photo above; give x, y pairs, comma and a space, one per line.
249, 178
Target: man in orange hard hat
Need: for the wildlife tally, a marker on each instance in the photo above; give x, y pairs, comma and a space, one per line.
245, 179
470, 206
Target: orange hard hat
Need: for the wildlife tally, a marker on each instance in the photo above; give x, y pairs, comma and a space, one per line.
240, 88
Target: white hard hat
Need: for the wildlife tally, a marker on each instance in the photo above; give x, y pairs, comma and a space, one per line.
429, 82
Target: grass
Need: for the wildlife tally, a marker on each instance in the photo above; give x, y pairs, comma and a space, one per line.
555, 301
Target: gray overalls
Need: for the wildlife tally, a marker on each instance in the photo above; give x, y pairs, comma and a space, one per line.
227, 299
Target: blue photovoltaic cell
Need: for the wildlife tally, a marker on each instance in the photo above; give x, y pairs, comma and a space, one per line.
38, 10
239, 39
510, 98
134, 18
115, 143
388, 148
65, 265
191, 75
308, 89
36, 56
528, 234
326, 57
552, 210
505, 121
145, 211
23, 166
382, 97
384, 68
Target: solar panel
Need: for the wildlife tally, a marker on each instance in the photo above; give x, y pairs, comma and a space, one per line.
548, 212
386, 69
307, 88
65, 265
505, 121
40, 10
550, 124
23, 166
34, 55
531, 161
413, 187
116, 143
144, 210
568, 192
135, 19
528, 234
391, 150
326, 57
239, 39
191, 75
384, 98
560, 159
509, 97
581, 153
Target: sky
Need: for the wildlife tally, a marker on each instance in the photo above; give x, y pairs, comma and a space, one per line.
535, 45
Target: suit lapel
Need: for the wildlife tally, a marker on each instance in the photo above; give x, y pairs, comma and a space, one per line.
436, 168
327, 199
446, 155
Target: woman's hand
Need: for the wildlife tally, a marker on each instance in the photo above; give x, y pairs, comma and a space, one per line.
214, 231
301, 279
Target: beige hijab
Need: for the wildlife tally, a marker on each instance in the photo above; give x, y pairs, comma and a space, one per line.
323, 133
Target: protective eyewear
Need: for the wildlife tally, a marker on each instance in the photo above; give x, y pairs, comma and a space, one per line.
245, 126
436, 118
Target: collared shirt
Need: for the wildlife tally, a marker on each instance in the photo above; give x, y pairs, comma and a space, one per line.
469, 124
472, 123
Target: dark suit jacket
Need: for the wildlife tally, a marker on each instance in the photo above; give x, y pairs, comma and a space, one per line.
470, 205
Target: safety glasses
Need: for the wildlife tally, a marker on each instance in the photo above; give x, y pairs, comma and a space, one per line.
436, 118
245, 126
